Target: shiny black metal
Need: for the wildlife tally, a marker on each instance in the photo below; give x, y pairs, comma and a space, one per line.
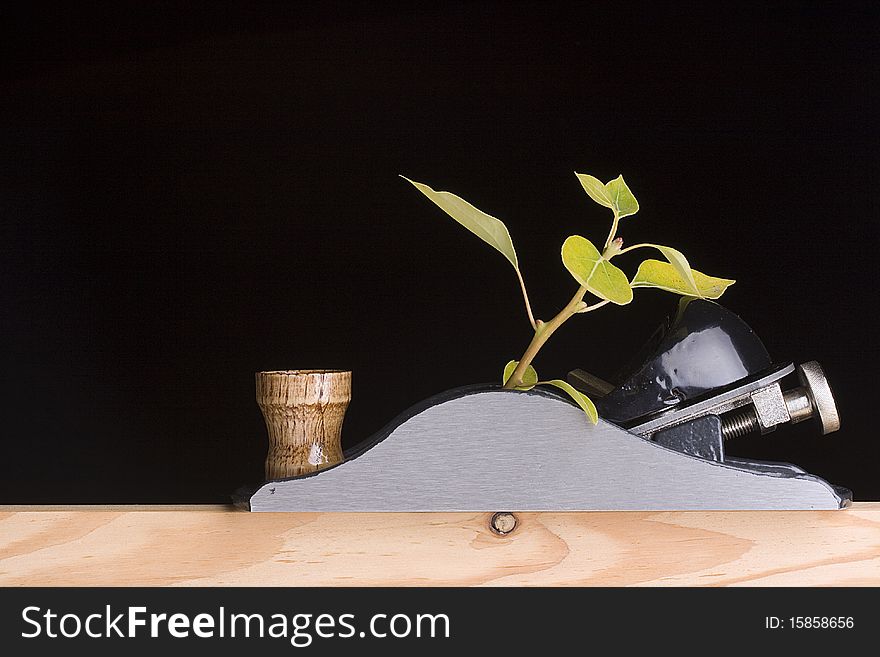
702, 348
700, 437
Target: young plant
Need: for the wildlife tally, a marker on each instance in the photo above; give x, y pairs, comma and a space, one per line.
590, 267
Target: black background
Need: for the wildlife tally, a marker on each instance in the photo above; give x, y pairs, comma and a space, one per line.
190, 195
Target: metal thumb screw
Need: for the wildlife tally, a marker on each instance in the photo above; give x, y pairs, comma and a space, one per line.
813, 399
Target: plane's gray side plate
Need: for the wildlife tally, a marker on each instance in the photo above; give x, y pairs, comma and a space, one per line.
506, 451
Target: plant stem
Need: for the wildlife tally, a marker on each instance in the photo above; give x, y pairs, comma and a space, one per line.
613, 232
633, 247
543, 333
522, 285
595, 306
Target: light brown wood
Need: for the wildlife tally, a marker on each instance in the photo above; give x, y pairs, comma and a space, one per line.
150, 546
304, 410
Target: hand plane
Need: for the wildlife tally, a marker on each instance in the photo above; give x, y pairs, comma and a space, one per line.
705, 377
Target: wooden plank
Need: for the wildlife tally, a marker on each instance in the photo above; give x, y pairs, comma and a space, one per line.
155, 546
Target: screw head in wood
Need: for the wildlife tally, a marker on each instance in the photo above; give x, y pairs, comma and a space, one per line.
503, 523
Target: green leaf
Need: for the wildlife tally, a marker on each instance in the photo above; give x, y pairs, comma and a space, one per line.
614, 194
624, 201
530, 378
679, 262
486, 227
590, 269
663, 275
582, 400
595, 188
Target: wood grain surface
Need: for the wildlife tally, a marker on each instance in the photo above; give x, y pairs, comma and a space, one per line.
304, 411
208, 545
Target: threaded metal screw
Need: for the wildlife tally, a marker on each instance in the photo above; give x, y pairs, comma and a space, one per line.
739, 422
